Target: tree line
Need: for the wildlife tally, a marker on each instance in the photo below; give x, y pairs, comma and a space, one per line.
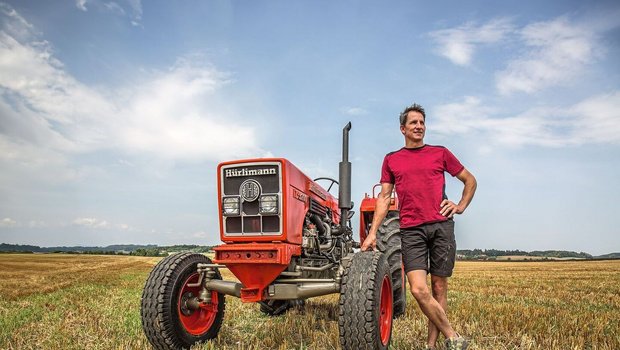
475, 253
127, 249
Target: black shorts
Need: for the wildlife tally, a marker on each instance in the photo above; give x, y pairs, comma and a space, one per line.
429, 247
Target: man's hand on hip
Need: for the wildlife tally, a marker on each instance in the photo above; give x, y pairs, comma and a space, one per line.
448, 208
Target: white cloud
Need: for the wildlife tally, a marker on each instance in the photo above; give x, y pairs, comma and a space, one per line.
124, 8
114, 8
96, 223
34, 84
459, 117
594, 120
81, 4
131, 9
557, 52
25, 164
597, 119
136, 6
47, 115
459, 44
91, 223
14, 23
166, 117
353, 111
550, 53
8, 222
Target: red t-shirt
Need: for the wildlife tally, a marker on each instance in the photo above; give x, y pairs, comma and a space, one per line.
418, 175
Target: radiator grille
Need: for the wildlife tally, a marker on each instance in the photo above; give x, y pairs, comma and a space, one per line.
250, 222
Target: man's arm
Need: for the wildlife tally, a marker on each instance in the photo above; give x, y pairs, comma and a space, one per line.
448, 208
381, 209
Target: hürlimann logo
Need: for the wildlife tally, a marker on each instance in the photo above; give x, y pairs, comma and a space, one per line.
249, 172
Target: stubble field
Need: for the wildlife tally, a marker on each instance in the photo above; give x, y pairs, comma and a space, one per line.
93, 302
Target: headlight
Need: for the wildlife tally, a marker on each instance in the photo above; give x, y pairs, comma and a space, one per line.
230, 206
268, 204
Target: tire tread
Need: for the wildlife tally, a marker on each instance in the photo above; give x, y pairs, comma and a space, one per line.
359, 304
389, 243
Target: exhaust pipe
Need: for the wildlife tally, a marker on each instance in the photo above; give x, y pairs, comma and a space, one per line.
344, 188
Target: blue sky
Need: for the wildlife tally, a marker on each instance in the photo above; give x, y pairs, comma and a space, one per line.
114, 114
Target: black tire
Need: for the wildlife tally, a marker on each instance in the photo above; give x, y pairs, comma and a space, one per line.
389, 243
279, 307
165, 324
365, 314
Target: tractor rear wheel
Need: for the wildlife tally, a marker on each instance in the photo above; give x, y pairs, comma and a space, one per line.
389, 243
365, 314
167, 320
279, 307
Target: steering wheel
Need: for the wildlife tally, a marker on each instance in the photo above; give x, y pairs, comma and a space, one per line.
328, 179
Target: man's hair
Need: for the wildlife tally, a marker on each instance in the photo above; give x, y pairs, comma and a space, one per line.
413, 108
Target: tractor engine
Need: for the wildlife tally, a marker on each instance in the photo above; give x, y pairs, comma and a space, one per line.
277, 222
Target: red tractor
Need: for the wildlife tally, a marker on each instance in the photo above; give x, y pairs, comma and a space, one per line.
286, 239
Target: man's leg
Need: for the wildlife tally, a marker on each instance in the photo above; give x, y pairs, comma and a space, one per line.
429, 306
442, 254
439, 286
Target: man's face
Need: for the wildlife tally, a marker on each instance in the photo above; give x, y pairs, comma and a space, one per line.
414, 127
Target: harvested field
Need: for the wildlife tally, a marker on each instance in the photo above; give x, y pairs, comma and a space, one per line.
92, 302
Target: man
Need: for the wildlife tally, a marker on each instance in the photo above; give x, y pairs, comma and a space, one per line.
427, 228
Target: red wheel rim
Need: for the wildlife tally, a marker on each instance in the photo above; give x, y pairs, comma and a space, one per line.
199, 321
385, 319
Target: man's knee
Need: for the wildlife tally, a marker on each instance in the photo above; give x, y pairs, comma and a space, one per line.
439, 285
420, 292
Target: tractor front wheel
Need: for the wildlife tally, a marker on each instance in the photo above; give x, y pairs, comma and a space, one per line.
366, 303
168, 319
